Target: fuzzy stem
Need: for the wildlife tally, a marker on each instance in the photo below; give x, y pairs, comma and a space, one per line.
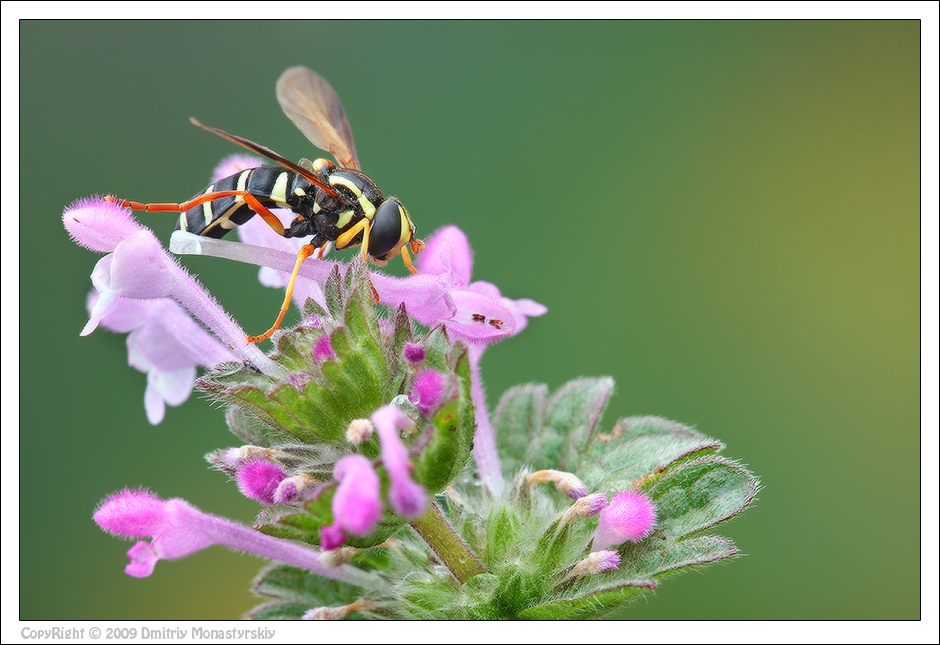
434, 529
484, 441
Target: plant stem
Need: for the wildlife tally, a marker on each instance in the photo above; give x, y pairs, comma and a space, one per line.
453, 552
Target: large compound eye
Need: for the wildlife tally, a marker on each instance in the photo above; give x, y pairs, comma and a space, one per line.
386, 229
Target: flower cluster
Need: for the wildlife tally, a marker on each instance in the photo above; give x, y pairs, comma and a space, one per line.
369, 448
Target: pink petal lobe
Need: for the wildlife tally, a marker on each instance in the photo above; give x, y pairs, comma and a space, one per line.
445, 250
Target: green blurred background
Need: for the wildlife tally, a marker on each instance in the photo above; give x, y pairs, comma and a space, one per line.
723, 216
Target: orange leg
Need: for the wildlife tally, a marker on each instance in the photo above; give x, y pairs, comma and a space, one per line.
305, 252
345, 239
406, 258
252, 201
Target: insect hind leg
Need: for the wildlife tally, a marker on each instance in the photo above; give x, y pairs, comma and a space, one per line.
251, 200
305, 252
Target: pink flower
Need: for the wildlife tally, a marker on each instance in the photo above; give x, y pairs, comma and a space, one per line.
140, 289
405, 496
178, 529
448, 252
138, 267
357, 506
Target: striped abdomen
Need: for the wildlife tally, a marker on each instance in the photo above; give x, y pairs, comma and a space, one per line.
274, 187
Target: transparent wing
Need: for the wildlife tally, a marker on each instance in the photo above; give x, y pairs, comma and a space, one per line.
257, 148
314, 107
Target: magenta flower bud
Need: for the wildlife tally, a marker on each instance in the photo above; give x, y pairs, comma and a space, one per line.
589, 505
565, 482
323, 350
357, 506
287, 491
629, 516
259, 479
331, 537
597, 562
290, 488
428, 390
414, 353
405, 496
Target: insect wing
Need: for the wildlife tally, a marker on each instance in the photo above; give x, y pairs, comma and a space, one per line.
314, 107
257, 148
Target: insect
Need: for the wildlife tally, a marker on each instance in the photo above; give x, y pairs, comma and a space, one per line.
333, 202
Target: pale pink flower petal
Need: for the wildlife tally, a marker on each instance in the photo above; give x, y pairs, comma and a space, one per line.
405, 496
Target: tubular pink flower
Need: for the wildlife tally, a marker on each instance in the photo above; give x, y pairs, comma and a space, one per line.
447, 249
629, 516
484, 441
138, 268
405, 496
259, 479
178, 529
357, 506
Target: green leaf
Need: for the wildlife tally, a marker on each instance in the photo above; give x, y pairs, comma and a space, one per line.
501, 536
302, 589
290, 583
333, 294
699, 494
640, 448
593, 604
571, 416
448, 450
401, 335
518, 418
247, 428
659, 556
278, 610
